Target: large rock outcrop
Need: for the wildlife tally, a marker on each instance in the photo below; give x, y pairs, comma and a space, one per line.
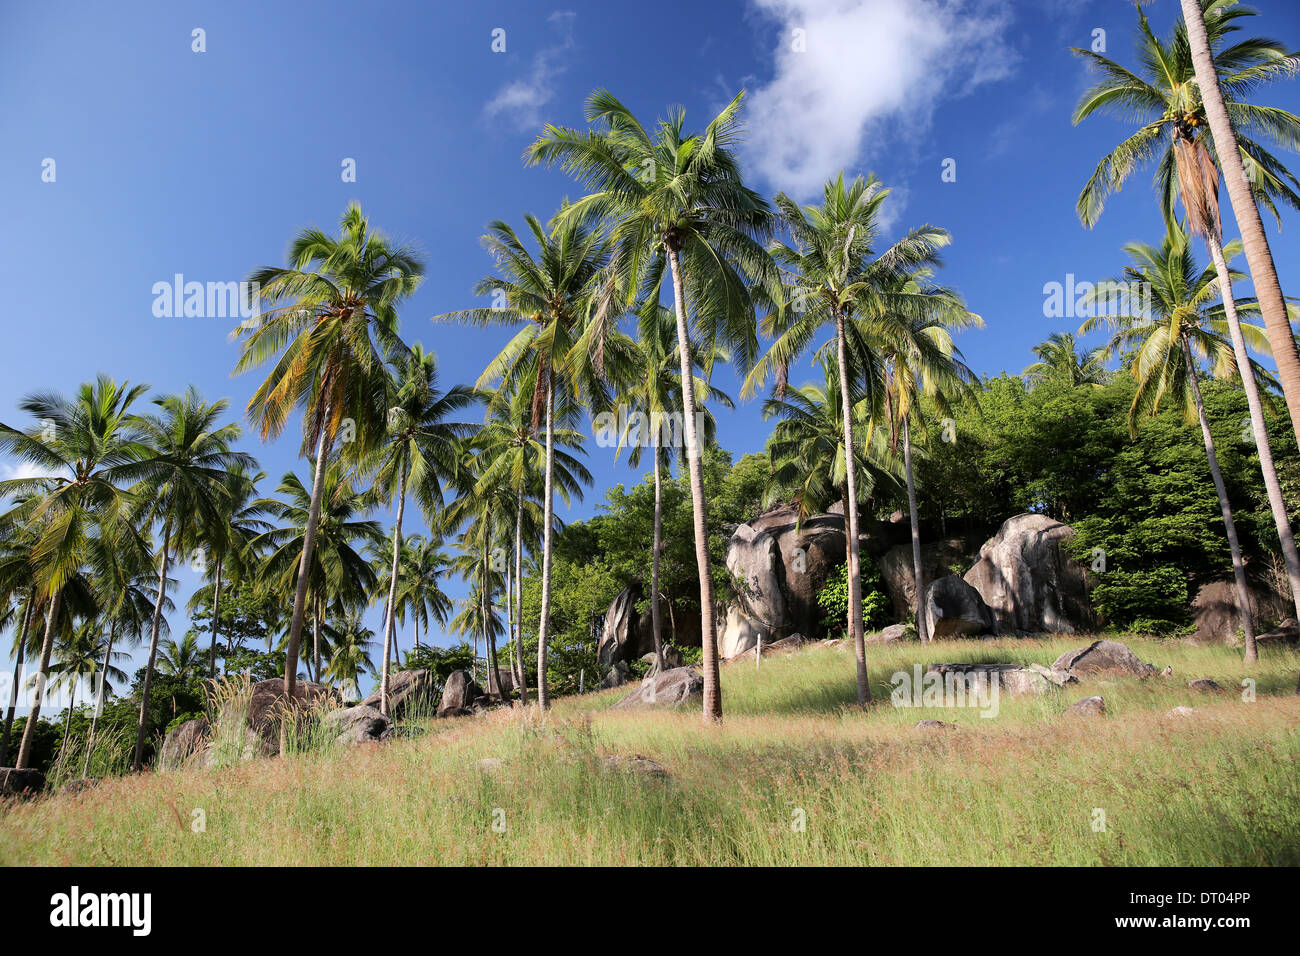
407, 691
269, 705
183, 743
780, 567
358, 725
459, 695
1030, 582
953, 608
673, 688
1102, 658
940, 558
628, 634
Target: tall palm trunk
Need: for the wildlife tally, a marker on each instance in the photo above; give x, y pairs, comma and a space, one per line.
851, 516
99, 696
657, 545
922, 628
519, 595
1253, 240
699, 506
548, 506
1238, 566
216, 610
1275, 500
315, 639
137, 763
304, 563
67, 724
18, 676
43, 669
392, 592
489, 640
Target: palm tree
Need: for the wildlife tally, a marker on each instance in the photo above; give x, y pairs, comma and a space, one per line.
331, 317
1170, 101
678, 207
184, 485
564, 295
419, 589
807, 447
1061, 359
834, 274
918, 361
337, 570
181, 659
19, 594
650, 399
1183, 327
79, 655
90, 442
420, 451
237, 521
351, 657
510, 463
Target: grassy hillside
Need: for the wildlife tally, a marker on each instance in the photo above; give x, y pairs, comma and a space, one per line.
1219, 787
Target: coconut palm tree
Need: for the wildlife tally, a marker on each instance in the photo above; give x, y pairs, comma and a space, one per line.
420, 451
80, 653
807, 445
1169, 100
181, 659
331, 317
419, 585
1183, 327
562, 293
1061, 359
238, 520
184, 485
89, 442
509, 459
351, 658
650, 405
677, 208
833, 271
1194, 83
337, 569
914, 353
19, 594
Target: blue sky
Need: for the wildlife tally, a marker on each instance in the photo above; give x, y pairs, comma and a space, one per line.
170, 161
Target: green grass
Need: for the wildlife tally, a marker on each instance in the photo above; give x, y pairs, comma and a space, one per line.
1220, 787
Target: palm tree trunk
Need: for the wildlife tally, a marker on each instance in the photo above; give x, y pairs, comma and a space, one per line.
47, 647
304, 563
655, 561
137, 763
851, 517
519, 594
1254, 242
922, 631
489, 640
699, 505
67, 724
216, 610
1275, 500
18, 676
315, 639
1238, 566
99, 695
548, 510
392, 592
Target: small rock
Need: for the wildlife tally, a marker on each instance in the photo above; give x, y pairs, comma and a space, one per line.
890, 635
79, 785
1205, 686
358, 725
1168, 671
1088, 707
672, 688
1181, 712
616, 676
635, 763
1102, 657
932, 725
490, 764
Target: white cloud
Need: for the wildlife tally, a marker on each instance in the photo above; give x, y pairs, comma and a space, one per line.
520, 101
25, 469
873, 72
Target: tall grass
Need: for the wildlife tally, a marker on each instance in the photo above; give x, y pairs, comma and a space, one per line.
795, 775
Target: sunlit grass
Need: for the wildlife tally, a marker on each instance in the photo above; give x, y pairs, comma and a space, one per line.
1220, 787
